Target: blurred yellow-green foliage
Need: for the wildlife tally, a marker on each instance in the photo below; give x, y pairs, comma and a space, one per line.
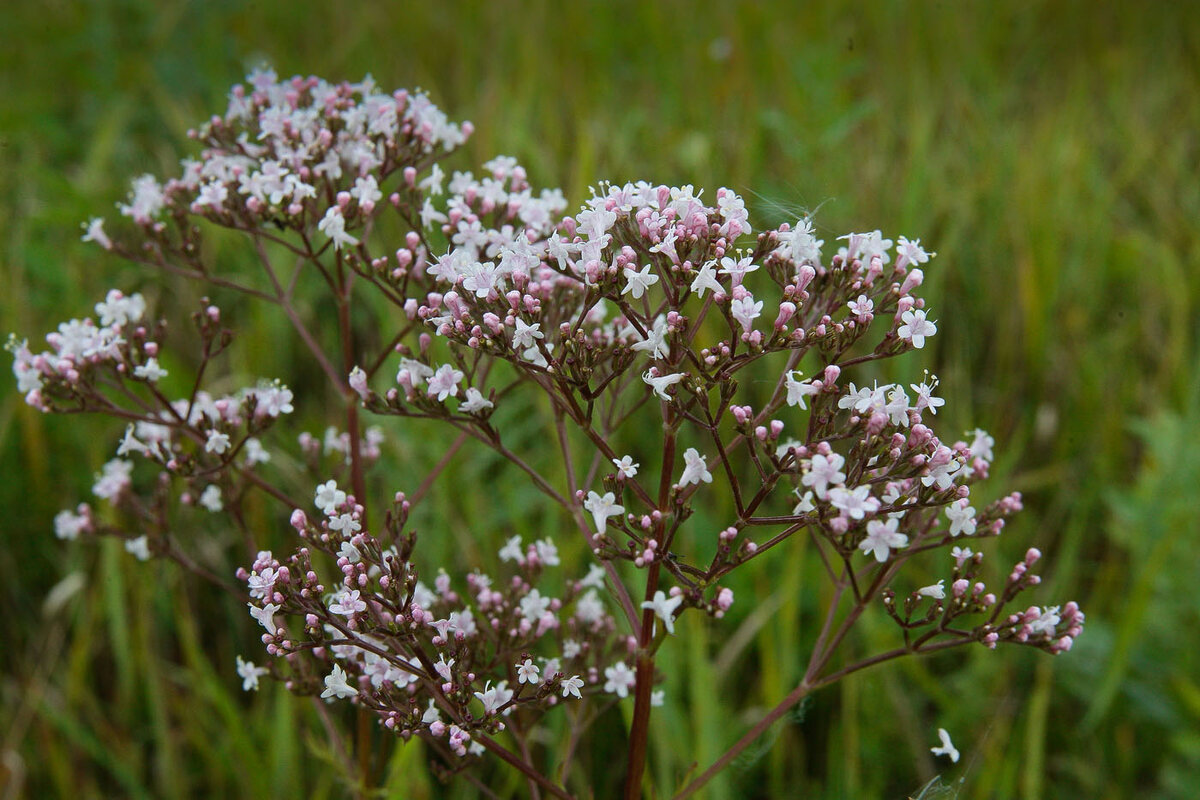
1049, 151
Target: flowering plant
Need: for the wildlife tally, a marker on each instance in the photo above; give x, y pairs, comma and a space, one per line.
647, 310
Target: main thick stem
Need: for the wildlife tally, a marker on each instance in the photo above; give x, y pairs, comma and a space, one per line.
640, 729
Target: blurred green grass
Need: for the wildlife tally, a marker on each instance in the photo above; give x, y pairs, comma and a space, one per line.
1048, 151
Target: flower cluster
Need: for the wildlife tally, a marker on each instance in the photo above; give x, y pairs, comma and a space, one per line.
420, 657
686, 361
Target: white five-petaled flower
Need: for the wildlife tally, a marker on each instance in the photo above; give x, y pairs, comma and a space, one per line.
655, 342
737, 270
661, 382
139, 548
249, 672
947, 748
798, 390
638, 282
935, 590
856, 502
526, 335
806, 503
527, 672
345, 524
336, 685
265, 616
882, 538
626, 468
95, 233
706, 279
444, 382
512, 550
333, 225
475, 402
217, 442
823, 471
962, 518
442, 667
916, 327
745, 310
862, 307
210, 498
695, 468
911, 252
150, 371
347, 604
601, 507
534, 605
329, 497
571, 686
925, 398
619, 679
664, 608
494, 697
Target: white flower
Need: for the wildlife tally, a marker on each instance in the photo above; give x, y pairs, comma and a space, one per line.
937, 591
911, 252
333, 225
661, 382
1046, 622
664, 608
962, 518
571, 686
823, 471
588, 608
150, 371
526, 335
856, 502
265, 616
626, 468
249, 673
695, 469
533, 606
139, 548
512, 550
655, 342
68, 525
806, 503
444, 382
329, 497
494, 697
619, 679
527, 671
601, 508
336, 685
638, 282
347, 604
475, 402
881, 538
862, 307
218, 442
95, 233
706, 279
210, 498
916, 327
745, 311
947, 748
798, 390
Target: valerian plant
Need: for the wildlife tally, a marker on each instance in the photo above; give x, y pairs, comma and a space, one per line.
648, 304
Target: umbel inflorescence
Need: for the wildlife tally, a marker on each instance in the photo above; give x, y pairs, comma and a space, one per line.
648, 310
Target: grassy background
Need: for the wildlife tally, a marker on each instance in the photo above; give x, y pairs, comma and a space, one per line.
1048, 151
